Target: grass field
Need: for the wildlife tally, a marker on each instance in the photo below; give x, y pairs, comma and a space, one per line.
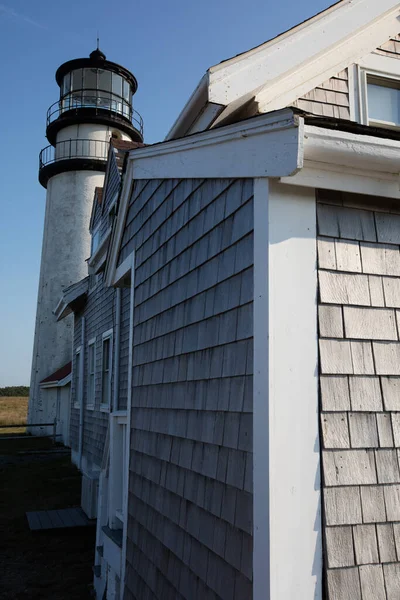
13, 410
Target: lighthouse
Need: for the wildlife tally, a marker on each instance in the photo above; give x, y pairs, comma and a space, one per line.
95, 105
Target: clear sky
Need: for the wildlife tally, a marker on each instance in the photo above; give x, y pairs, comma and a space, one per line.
168, 45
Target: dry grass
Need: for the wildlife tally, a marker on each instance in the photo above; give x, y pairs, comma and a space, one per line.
13, 410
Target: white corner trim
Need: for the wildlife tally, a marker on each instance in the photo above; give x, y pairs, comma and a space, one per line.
362, 152
261, 511
285, 418
237, 150
129, 421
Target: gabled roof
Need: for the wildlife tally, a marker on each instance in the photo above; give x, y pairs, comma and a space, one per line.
58, 376
281, 70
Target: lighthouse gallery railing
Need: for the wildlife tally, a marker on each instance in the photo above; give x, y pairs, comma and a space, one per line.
69, 149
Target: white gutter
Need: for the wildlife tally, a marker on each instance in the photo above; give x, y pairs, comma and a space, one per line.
117, 347
81, 389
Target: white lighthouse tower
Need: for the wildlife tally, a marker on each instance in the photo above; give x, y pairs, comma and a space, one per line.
95, 104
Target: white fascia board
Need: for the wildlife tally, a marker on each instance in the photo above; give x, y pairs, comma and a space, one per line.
344, 179
118, 227
349, 150
191, 110
295, 62
264, 146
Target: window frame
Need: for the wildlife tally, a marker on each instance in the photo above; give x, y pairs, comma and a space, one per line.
76, 375
107, 335
366, 75
91, 404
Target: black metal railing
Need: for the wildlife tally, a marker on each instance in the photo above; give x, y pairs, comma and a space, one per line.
100, 101
69, 149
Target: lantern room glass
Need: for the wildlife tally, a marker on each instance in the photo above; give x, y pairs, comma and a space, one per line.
96, 88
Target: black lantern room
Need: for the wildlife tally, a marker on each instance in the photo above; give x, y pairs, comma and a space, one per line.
94, 90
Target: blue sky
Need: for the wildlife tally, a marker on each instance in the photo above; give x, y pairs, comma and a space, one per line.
167, 45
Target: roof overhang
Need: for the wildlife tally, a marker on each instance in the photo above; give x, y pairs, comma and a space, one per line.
276, 145
72, 299
276, 73
59, 378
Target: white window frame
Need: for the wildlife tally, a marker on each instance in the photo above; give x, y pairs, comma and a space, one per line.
364, 74
77, 372
107, 335
91, 404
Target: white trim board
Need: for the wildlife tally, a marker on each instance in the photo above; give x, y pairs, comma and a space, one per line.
287, 519
280, 132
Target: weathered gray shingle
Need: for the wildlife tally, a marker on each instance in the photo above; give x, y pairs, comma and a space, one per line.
391, 393
373, 504
339, 545
365, 544
344, 584
343, 288
335, 393
365, 393
392, 580
349, 467
386, 545
343, 506
335, 430
372, 584
363, 430
330, 321
369, 323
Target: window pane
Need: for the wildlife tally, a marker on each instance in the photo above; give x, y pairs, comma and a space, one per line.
106, 355
91, 358
383, 103
89, 79
66, 84
77, 79
105, 387
77, 376
117, 84
127, 91
104, 80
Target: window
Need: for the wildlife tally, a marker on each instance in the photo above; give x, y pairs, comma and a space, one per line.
91, 373
77, 377
95, 241
383, 101
106, 369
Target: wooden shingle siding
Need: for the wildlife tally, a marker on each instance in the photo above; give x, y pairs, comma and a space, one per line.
74, 422
124, 350
190, 488
391, 48
331, 99
359, 284
99, 313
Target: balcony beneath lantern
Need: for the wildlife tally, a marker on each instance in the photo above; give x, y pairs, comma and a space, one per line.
94, 106
72, 155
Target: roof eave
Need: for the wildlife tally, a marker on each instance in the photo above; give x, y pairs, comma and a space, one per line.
196, 103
